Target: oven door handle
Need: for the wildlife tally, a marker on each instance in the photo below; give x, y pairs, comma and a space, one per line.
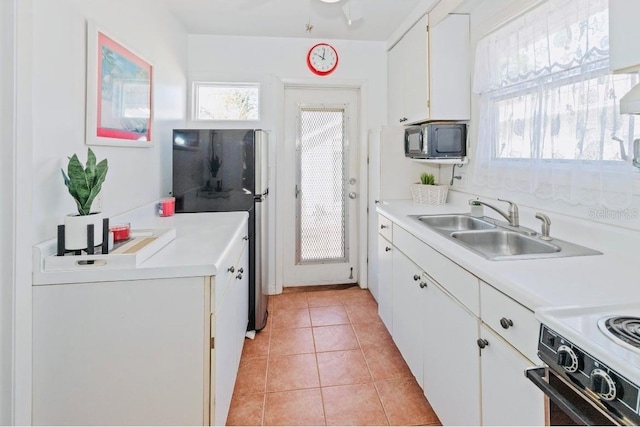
537, 375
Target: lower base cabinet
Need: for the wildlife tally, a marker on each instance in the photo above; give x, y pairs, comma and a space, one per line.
408, 312
139, 352
508, 397
470, 374
451, 362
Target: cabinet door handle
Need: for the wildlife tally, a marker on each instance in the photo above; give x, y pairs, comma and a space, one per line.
387, 248
231, 269
506, 323
245, 238
482, 343
241, 270
239, 276
416, 277
382, 227
423, 285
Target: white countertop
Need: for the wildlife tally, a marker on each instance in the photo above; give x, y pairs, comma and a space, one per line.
586, 280
201, 243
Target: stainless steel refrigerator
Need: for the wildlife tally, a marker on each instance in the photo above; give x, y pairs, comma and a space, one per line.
224, 170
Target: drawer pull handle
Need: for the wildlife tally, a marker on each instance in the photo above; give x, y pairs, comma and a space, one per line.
239, 276
231, 269
423, 285
387, 248
241, 270
382, 227
506, 323
416, 277
482, 343
245, 238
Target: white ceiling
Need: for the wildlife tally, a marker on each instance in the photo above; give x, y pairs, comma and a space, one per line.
289, 18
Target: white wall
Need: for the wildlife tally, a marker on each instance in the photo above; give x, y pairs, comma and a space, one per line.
485, 16
264, 59
49, 126
136, 175
6, 213
275, 62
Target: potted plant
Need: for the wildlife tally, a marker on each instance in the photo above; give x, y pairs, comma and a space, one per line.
427, 191
84, 184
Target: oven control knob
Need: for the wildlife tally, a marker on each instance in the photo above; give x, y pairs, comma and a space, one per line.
567, 358
603, 384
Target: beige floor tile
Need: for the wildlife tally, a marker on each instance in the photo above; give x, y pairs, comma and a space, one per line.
353, 405
334, 337
246, 410
252, 376
288, 301
257, 347
294, 408
386, 363
291, 341
290, 318
324, 316
342, 368
292, 372
373, 334
405, 404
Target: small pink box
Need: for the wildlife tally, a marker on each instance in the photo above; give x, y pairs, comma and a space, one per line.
167, 206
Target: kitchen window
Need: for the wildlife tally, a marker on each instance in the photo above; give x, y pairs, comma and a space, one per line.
226, 101
549, 120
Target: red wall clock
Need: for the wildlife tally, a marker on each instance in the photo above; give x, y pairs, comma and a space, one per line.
322, 59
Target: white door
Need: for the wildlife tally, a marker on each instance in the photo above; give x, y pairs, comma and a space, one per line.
320, 166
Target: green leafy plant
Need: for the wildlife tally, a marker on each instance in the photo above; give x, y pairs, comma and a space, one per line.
84, 183
427, 178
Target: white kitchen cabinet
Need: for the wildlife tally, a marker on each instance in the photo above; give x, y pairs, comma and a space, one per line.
429, 73
451, 362
408, 81
408, 311
450, 69
624, 31
385, 282
508, 397
390, 177
229, 326
446, 321
159, 351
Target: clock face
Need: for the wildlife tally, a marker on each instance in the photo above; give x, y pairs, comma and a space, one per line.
322, 59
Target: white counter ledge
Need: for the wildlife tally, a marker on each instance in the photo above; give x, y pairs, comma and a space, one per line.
584, 280
201, 243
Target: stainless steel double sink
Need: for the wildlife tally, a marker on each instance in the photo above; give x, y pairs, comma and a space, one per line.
486, 237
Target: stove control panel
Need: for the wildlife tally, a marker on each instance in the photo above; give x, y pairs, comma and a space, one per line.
585, 372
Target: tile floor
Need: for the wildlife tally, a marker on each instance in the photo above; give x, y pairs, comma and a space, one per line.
325, 358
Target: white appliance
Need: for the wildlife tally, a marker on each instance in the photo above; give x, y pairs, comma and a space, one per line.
592, 355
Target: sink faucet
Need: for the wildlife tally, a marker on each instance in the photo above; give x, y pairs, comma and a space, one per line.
546, 223
512, 217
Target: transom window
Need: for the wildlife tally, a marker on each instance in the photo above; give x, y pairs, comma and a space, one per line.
226, 101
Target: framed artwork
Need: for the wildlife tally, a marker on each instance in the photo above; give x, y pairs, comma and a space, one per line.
119, 107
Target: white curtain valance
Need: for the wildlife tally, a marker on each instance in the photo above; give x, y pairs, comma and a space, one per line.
555, 37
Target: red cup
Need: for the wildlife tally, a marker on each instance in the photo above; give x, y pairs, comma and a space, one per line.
120, 231
167, 206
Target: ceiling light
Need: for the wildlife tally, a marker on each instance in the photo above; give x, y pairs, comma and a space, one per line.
352, 11
330, 1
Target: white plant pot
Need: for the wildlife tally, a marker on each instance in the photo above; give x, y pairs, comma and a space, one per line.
75, 230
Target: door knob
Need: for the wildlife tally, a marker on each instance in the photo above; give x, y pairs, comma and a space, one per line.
352, 195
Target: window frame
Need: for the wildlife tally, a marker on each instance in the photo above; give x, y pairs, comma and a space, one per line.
196, 84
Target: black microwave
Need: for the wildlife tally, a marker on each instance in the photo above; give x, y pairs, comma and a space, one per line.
436, 141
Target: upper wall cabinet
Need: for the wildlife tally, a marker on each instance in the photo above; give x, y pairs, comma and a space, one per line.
624, 32
429, 73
